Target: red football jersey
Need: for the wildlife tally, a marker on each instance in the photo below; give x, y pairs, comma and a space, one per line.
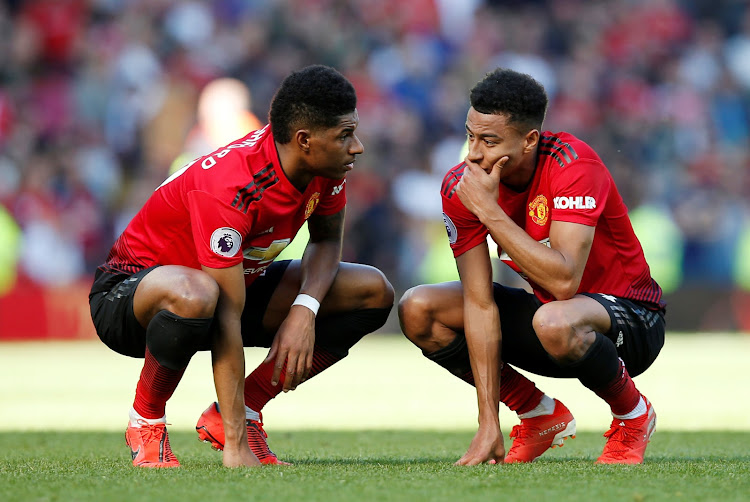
571, 183
233, 205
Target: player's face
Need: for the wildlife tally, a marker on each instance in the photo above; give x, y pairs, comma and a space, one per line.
491, 138
334, 150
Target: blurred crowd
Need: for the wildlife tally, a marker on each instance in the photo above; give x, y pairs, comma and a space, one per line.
100, 99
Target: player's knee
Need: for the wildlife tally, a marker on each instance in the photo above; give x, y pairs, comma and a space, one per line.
173, 340
375, 289
414, 313
382, 292
194, 295
554, 330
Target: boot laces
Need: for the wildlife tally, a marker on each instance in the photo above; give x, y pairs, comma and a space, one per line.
621, 437
154, 432
520, 432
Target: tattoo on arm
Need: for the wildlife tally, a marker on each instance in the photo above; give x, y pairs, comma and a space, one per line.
329, 227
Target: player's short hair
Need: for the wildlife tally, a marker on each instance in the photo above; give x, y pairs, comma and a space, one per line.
313, 97
508, 92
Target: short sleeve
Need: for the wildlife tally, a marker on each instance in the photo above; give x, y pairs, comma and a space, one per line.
218, 230
579, 192
465, 231
332, 197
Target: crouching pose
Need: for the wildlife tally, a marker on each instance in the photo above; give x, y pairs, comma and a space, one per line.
194, 270
549, 203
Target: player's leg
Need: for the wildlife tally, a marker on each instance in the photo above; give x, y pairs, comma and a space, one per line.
599, 337
357, 303
176, 306
636, 331
431, 317
210, 427
164, 315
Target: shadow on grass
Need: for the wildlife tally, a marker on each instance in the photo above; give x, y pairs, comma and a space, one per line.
397, 461
394, 461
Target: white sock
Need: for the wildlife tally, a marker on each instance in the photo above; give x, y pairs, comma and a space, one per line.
639, 410
251, 414
135, 417
545, 407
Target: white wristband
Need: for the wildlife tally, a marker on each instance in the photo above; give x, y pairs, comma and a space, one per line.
307, 301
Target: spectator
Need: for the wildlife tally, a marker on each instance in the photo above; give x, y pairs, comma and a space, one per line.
116, 86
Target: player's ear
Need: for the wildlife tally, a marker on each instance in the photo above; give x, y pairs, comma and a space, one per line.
531, 140
302, 138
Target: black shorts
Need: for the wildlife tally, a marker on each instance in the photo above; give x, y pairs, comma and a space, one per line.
111, 302
257, 297
637, 332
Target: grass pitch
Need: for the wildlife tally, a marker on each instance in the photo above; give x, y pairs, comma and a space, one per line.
384, 424
371, 465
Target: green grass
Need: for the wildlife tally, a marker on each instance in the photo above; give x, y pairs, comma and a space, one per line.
385, 383
371, 465
383, 424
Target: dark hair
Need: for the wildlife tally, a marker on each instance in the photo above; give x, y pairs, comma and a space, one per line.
511, 93
313, 97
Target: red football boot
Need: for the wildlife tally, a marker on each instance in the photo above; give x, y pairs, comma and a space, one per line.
534, 436
627, 439
211, 430
149, 445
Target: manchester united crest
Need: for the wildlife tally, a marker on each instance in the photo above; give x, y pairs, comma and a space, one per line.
312, 204
538, 210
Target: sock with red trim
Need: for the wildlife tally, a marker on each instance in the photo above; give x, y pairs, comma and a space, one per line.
258, 388
516, 391
602, 371
335, 335
621, 395
155, 386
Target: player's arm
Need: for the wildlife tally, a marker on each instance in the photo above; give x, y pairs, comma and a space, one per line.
229, 364
296, 336
483, 338
557, 268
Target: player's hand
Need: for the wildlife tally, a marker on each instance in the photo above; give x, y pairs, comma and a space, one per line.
479, 189
293, 344
487, 446
239, 456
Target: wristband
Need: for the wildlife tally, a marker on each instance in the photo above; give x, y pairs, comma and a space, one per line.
307, 301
